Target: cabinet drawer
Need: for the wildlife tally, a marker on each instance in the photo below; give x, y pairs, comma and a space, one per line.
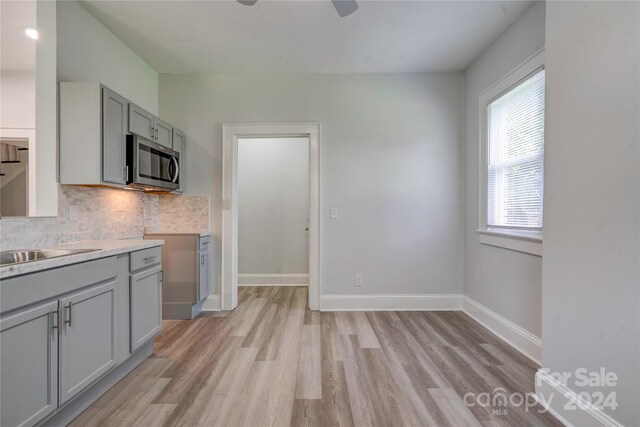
24, 290
205, 241
146, 258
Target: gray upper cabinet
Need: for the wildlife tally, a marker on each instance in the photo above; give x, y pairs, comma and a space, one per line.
87, 339
114, 137
141, 122
179, 146
145, 124
94, 123
93, 129
164, 133
29, 368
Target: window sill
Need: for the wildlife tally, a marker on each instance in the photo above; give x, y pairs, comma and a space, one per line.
519, 241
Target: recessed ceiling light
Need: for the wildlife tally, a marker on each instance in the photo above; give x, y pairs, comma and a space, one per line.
32, 32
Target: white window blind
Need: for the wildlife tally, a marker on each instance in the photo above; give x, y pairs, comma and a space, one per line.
515, 142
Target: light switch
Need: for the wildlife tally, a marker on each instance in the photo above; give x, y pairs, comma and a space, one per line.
333, 213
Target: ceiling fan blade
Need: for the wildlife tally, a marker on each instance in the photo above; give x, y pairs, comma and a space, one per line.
247, 2
344, 7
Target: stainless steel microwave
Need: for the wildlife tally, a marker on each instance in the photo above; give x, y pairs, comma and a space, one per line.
151, 166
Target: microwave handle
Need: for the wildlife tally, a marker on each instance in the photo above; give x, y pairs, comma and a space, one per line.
177, 169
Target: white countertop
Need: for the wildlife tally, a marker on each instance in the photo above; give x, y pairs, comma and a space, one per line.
105, 248
182, 233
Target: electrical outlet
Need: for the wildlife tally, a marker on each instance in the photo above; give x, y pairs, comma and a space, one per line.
73, 213
333, 213
359, 280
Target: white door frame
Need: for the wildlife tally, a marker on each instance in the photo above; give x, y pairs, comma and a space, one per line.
231, 132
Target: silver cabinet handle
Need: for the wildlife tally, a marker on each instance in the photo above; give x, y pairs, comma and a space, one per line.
149, 258
68, 321
54, 319
156, 133
151, 129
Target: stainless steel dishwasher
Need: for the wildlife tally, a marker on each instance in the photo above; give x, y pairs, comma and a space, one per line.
185, 261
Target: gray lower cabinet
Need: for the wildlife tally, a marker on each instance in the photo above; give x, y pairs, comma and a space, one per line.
29, 365
60, 331
87, 338
114, 137
186, 265
203, 273
146, 305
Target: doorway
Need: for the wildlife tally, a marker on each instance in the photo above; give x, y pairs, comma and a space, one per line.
273, 211
244, 138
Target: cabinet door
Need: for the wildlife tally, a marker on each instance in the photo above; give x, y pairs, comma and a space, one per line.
203, 276
29, 367
146, 306
178, 145
141, 122
87, 339
114, 137
164, 133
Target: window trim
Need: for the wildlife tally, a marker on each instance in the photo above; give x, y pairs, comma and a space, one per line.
519, 240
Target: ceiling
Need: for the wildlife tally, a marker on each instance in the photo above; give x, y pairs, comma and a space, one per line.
18, 52
306, 36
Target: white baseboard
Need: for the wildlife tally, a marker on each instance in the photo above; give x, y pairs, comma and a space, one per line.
212, 303
557, 399
516, 336
296, 279
391, 302
253, 285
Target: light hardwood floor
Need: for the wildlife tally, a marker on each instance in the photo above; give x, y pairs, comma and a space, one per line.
271, 362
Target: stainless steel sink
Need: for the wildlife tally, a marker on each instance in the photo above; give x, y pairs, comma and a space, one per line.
20, 256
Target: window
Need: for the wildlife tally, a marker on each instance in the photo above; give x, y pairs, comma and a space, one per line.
515, 153
512, 159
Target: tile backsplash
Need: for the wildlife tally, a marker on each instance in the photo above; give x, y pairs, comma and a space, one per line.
105, 213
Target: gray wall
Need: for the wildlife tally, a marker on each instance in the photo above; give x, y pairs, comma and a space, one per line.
273, 202
391, 163
591, 291
18, 99
505, 281
89, 52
